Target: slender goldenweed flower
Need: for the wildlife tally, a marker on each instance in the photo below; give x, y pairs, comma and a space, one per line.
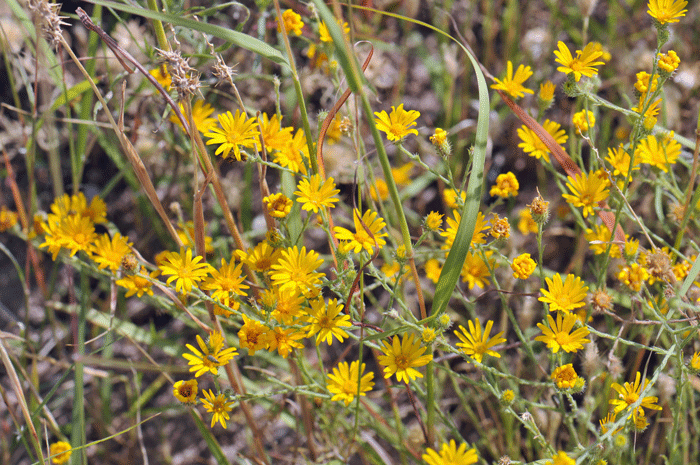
186, 391
559, 334
253, 335
507, 185
186, 271
218, 405
292, 22
564, 296
315, 195
561, 459
402, 356
60, 452
586, 191
630, 394
523, 266
296, 269
211, 356
477, 343
583, 121
450, 454
367, 233
512, 84
397, 124
584, 64
667, 11
326, 321
345, 382
533, 145
108, 253
236, 131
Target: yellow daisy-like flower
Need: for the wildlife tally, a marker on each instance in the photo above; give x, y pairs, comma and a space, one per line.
108, 253
586, 191
658, 153
479, 237
608, 420
523, 266
630, 393
513, 84
402, 356
275, 137
73, 232
212, 354
218, 405
138, 285
533, 146
236, 131
526, 224
186, 391
546, 93
185, 270
668, 62
285, 340
296, 269
201, 113
559, 335
261, 257
226, 282
561, 459
433, 270
367, 233
599, 238
278, 205
162, 76
326, 321
398, 124
507, 185
439, 137
450, 197
667, 11
500, 228
475, 271
325, 36
433, 221
583, 64
642, 84
694, 363
583, 121
565, 377
620, 161
295, 155
315, 195
286, 305
348, 381
477, 343
292, 22
253, 335
450, 454
8, 219
633, 276
60, 452
564, 296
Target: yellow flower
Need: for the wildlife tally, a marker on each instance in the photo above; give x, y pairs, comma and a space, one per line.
286, 305
583, 121
451, 455
275, 137
439, 137
212, 355
565, 377
60, 452
325, 36
559, 335
218, 405
475, 271
226, 282
476, 343
8, 219
185, 270
658, 153
186, 391
201, 113
346, 382
138, 285
379, 191
513, 84
547, 89
326, 321
402, 357
533, 145
668, 63
599, 240
292, 22
564, 296
526, 224
500, 228
367, 232
278, 205
261, 257
586, 191
295, 155
523, 266
667, 11
296, 269
507, 185
695, 361
642, 83
433, 270
162, 76
633, 276
607, 421
561, 459
284, 340
185, 231
620, 161
433, 221
314, 195
397, 125
449, 196
253, 335
453, 224
583, 64
236, 131
630, 393
73, 232
109, 253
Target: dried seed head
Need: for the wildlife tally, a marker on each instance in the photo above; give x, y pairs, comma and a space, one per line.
601, 301
47, 16
658, 265
222, 71
539, 209
185, 79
